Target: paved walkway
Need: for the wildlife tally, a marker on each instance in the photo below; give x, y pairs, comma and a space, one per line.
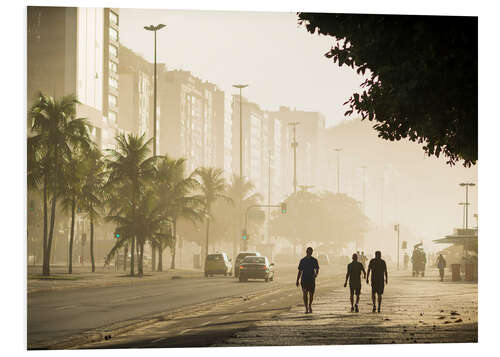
414, 310
82, 277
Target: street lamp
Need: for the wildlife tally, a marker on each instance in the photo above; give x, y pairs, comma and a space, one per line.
467, 184
338, 168
154, 29
240, 87
294, 145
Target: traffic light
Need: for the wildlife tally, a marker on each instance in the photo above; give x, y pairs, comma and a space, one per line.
283, 208
244, 235
32, 205
117, 235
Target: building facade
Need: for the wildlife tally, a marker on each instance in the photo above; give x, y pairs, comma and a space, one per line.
71, 51
191, 119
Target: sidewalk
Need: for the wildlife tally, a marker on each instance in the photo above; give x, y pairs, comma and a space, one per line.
413, 311
82, 277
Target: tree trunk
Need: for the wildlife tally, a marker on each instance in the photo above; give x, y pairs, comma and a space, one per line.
206, 242
160, 256
153, 255
174, 228
72, 235
46, 271
45, 223
141, 261
132, 252
125, 256
92, 243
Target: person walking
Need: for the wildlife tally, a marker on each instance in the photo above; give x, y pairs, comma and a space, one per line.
308, 271
378, 270
354, 270
363, 259
406, 260
441, 264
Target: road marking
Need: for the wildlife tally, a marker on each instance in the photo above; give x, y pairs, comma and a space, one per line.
223, 317
264, 303
184, 331
158, 340
64, 307
206, 323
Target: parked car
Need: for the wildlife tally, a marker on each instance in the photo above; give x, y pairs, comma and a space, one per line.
323, 259
239, 260
218, 263
254, 267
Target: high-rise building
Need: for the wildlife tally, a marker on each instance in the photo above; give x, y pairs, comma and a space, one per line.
75, 51
136, 94
191, 117
255, 142
310, 149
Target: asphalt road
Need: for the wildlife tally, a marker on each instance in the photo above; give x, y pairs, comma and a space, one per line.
60, 314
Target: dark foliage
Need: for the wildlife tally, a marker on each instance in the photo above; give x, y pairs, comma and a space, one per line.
423, 74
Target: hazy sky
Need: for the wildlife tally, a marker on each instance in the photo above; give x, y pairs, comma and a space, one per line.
282, 62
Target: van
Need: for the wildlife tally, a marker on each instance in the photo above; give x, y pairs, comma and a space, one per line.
218, 263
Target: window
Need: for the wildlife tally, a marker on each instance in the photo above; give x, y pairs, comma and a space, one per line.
113, 34
113, 82
113, 51
112, 116
113, 18
112, 66
112, 100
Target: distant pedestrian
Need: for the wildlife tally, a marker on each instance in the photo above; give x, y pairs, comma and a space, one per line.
308, 271
363, 259
441, 264
378, 269
406, 260
354, 270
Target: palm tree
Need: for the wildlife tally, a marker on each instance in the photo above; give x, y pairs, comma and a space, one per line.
72, 190
241, 192
130, 171
92, 192
56, 133
212, 188
173, 190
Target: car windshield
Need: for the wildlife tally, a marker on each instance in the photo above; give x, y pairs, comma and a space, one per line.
257, 260
243, 255
215, 257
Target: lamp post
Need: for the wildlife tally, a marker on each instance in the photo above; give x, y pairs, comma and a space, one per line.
338, 168
240, 87
154, 29
467, 184
294, 145
463, 212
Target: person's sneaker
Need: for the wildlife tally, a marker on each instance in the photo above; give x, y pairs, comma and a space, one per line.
374, 309
310, 310
356, 308
378, 310
352, 308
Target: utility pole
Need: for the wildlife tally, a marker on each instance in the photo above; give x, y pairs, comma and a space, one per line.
269, 186
467, 184
294, 145
338, 168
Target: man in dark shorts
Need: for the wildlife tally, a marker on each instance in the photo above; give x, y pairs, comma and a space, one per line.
378, 268
308, 271
354, 270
